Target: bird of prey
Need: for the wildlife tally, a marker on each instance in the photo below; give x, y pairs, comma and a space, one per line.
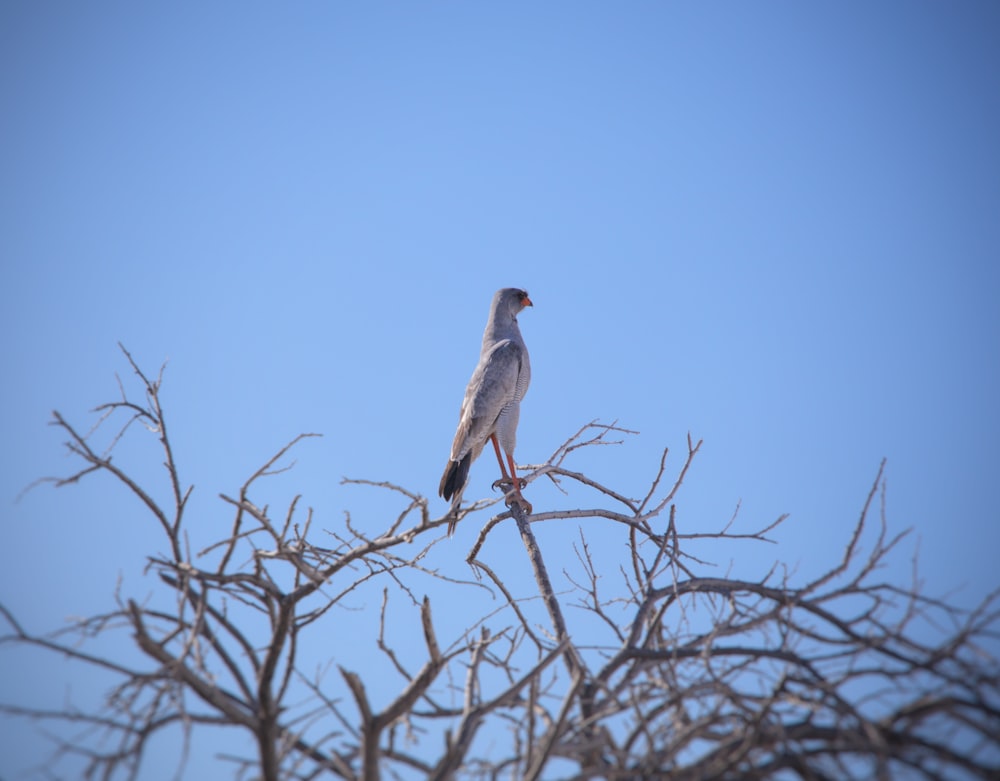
492, 400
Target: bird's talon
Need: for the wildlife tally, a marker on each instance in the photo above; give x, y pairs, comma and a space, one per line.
505, 483
513, 497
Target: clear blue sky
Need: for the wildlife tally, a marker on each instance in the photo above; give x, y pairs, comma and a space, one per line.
774, 225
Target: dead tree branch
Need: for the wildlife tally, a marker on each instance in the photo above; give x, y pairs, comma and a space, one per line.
668, 669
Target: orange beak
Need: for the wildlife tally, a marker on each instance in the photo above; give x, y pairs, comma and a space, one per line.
527, 301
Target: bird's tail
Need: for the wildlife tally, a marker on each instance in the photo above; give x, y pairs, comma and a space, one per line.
456, 473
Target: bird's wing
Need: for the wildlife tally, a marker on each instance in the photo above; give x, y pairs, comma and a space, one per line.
493, 386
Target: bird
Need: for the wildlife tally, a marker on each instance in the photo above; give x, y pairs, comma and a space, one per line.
492, 402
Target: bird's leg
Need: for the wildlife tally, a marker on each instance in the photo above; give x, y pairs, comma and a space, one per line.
518, 485
503, 469
512, 479
517, 481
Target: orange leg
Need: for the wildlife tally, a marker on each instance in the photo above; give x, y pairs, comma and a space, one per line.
513, 474
515, 481
503, 470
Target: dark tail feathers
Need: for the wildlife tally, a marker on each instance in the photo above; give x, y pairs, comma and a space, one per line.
454, 477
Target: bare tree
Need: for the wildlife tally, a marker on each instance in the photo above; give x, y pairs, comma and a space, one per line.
681, 675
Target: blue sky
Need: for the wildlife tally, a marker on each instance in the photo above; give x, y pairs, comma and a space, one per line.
774, 225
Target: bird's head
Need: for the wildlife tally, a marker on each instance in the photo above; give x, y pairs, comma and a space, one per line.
513, 299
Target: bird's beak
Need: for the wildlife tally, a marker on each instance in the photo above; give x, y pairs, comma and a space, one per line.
527, 301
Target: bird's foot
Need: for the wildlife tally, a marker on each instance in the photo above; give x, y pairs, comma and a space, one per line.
507, 484
512, 491
515, 497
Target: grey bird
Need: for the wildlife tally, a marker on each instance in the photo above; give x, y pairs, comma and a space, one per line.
492, 400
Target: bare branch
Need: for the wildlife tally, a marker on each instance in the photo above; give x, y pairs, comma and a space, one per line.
672, 667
